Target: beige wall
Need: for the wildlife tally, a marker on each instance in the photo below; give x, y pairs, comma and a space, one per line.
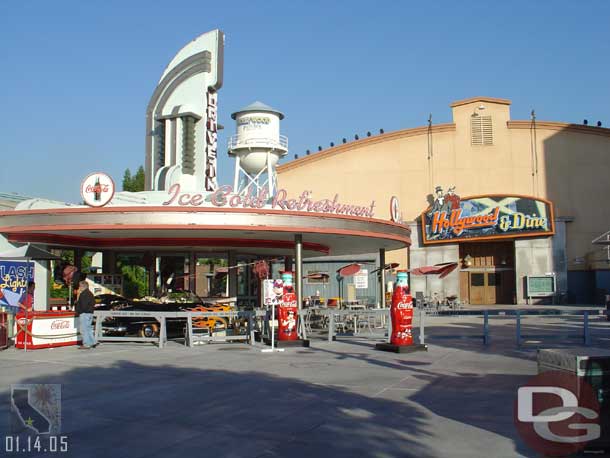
573, 170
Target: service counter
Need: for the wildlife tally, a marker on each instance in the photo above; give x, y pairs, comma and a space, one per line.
46, 329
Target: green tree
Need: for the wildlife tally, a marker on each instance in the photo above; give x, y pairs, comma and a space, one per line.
138, 180
127, 180
133, 183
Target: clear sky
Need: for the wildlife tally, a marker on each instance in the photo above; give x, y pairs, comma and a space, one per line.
76, 76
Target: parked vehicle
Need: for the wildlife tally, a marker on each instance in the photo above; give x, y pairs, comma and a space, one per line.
149, 326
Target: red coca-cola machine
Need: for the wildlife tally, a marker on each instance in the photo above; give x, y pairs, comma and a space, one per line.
288, 310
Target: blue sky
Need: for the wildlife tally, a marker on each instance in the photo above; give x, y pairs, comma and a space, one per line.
76, 76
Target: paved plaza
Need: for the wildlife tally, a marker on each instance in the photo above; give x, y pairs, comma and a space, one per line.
339, 399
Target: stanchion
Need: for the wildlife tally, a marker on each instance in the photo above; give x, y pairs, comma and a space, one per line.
273, 348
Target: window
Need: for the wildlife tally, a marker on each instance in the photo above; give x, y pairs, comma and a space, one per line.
477, 279
480, 130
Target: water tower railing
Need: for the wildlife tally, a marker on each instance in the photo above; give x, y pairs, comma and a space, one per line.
238, 141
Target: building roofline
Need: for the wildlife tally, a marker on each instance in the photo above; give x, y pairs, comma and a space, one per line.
412, 132
560, 126
480, 99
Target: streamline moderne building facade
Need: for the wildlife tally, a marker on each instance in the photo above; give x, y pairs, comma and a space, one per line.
515, 203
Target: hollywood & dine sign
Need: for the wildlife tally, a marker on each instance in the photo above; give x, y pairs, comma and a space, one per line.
224, 197
451, 219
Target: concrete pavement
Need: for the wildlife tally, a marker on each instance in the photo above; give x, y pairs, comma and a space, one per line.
341, 399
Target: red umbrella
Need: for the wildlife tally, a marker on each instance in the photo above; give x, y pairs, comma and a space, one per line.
392, 265
317, 276
350, 269
442, 270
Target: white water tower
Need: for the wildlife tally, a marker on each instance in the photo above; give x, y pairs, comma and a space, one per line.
257, 147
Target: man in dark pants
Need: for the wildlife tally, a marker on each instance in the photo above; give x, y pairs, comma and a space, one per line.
85, 305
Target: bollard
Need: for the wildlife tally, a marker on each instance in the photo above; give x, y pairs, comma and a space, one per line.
586, 335
486, 327
518, 316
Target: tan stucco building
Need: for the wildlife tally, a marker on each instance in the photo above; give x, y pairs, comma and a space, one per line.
482, 153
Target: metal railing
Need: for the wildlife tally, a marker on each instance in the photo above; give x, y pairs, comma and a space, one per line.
484, 336
161, 317
241, 141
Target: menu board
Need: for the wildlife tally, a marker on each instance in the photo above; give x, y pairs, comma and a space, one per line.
540, 286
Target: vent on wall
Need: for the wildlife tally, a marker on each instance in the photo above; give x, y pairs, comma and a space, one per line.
480, 130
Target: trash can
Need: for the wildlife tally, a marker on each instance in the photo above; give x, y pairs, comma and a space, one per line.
591, 365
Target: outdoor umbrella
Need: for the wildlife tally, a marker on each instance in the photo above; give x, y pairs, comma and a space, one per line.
28, 253
442, 270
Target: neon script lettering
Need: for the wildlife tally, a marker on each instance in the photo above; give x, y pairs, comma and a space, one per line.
224, 197
457, 224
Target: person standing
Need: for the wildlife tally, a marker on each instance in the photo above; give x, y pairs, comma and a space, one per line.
26, 302
85, 305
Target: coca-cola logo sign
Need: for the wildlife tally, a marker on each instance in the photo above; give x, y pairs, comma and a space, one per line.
60, 324
97, 189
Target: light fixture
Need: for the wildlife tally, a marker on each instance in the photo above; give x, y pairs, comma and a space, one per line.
468, 260
503, 262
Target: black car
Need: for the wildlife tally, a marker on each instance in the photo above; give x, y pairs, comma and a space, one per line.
150, 327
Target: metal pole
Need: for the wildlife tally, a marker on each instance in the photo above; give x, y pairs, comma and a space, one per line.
586, 335
422, 316
251, 327
382, 277
389, 339
298, 255
486, 327
331, 326
189, 323
518, 315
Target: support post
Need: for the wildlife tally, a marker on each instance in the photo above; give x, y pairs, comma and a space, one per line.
518, 315
251, 327
382, 303
389, 339
486, 327
162, 332
331, 326
298, 255
189, 330
586, 334
422, 327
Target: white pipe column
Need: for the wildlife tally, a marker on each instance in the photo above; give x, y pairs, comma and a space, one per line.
298, 257
269, 175
236, 178
382, 277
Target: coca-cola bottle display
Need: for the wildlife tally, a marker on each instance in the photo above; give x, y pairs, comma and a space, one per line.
401, 311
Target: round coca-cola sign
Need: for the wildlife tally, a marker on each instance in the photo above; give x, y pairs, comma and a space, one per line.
97, 189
